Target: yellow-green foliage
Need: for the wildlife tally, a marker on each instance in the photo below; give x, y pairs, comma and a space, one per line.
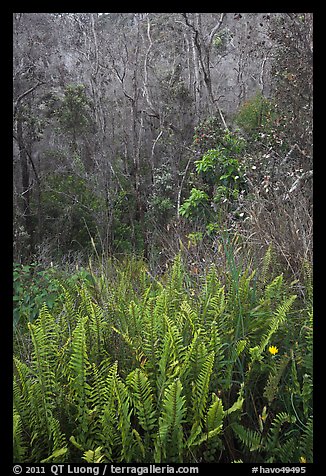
142, 370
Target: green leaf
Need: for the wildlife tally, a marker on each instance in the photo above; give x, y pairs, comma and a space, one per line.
55, 455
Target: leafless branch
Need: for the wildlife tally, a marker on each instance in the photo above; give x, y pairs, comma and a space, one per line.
24, 94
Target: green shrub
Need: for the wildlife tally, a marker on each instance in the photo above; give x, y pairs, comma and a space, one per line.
256, 115
34, 286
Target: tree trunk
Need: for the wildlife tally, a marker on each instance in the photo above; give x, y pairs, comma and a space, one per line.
25, 180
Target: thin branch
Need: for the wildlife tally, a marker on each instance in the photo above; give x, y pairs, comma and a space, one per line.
214, 30
21, 97
154, 144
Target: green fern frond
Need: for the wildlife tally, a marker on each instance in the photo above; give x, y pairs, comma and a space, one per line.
274, 437
109, 420
189, 315
213, 424
279, 317
78, 378
190, 355
176, 341
59, 441
124, 424
21, 390
201, 388
139, 443
97, 325
286, 451
19, 448
272, 292
168, 367
142, 398
306, 441
152, 335
45, 337
215, 414
267, 261
271, 388
170, 435
95, 456
251, 439
307, 392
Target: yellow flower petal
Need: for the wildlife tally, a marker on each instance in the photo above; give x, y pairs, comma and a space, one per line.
272, 349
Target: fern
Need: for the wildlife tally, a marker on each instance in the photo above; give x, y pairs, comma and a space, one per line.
215, 415
19, 449
169, 441
272, 386
168, 368
307, 389
182, 359
252, 440
38, 395
95, 456
213, 424
21, 391
97, 326
143, 400
278, 318
306, 441
199, 399
59, 447
266, 264
109, 420
201, 388
274, 438
124, 424
152, 336
286, 452
79, 368
176, 342
44, 335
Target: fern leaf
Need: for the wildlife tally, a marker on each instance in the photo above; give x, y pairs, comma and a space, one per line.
95, 456
267, 260
237, 405
307, 389
58, 456
213, 424
274, 378
306, 442
278, 318
201, 388
109, 419
124, 424
170, 434
273, 437
19, 449
142, 398
249, 438
79, 368
215, 414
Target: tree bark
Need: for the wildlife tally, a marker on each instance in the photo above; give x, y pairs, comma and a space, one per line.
25, 181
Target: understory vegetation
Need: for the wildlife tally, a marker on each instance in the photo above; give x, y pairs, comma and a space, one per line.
129, 367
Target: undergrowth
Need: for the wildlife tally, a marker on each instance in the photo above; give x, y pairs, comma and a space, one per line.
127, 367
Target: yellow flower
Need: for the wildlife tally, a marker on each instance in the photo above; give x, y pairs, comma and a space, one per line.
302, 459
273, 350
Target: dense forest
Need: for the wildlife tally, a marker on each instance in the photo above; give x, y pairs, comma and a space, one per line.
163, 237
